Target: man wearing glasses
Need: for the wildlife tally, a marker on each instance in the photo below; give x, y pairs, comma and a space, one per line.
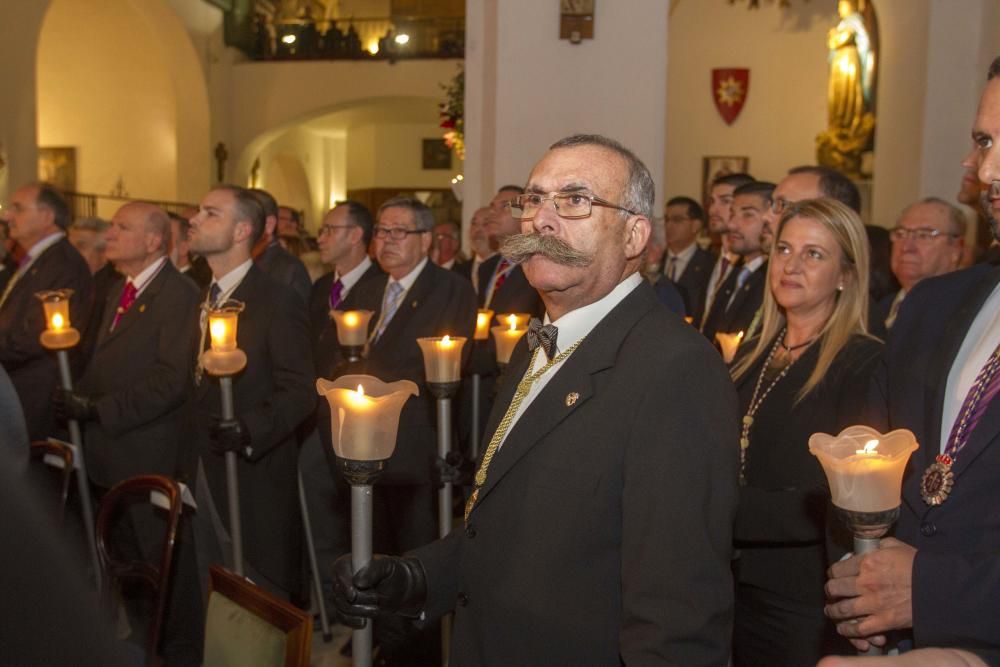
599, 528
927, 241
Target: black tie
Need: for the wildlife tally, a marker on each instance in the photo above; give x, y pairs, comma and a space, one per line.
542, 335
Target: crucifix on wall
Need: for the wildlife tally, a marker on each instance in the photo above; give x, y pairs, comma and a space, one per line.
220, 162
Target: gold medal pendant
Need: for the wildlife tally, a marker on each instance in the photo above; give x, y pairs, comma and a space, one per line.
937, 481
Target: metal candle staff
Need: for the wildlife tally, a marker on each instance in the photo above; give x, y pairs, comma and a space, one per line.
443, 365
352, 331
224, 360
865, 472
60, 336
364, 420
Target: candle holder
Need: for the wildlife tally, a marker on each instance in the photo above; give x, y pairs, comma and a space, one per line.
364, 421
224, 360
443, 365
865, 472
352, 331
728, 344
483, 318
59, 336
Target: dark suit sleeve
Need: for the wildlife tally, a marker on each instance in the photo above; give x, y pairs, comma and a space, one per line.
679, 488
166, 385
955, 599
294, 378
299, 280
440, 560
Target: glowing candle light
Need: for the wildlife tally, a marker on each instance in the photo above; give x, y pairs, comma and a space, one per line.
506, 338
729, 342
364, 415
59, 334
352, 326
483, 317
442, 358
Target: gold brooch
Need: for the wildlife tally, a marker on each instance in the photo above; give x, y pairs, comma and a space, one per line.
571, 398
142, 308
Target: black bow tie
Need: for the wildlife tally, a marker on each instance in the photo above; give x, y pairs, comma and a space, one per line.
542, 335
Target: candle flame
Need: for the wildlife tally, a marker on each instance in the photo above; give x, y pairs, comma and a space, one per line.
869, 448
512, 319
218, 329
351, 319
739, 337
58, 322
446, 342
361, 391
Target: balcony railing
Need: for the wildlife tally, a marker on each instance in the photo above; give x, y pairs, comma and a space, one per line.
392, 39
89, 205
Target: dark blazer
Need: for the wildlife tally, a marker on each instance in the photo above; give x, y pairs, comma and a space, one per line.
515, 295
784, 525
740, 313
326, 352
693, 283
440, 302
31, 367
141, 374
285, 268
603, 533
463, 268
669, 295
104, 280
272, 395
956, 597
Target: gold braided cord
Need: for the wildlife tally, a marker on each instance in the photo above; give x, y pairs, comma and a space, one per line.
523, 387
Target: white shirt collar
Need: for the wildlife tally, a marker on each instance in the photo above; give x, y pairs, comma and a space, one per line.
229, 282
576, 324
351, 278
755, 264
146, 276
684, 255
411, 277
45, 244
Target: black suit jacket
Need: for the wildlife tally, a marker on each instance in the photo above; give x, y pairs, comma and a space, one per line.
285, 268
327, 352
31, 367
740, 313
440, 302
693, 283
463, 268
516, 295
956, 594
272, 395
603, 532
141, 374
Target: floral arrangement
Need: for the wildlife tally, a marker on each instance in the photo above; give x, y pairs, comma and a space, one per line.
453, 113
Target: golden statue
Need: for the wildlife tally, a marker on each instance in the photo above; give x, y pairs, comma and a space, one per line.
850, 129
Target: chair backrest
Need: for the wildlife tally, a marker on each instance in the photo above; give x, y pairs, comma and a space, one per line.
157, 491
57, 459
248, 627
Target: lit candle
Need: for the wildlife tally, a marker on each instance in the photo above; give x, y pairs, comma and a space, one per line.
483, 318
514, 320
865, 479
506, 338
364, 420
59, 333
222, 329
729, 342
442, 358
352, 326
689, 319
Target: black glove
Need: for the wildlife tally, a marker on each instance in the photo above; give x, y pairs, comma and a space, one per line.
454, 469
388, 584
230, 435
70, 405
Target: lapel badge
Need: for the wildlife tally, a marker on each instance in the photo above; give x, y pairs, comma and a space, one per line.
571, 398
142, 308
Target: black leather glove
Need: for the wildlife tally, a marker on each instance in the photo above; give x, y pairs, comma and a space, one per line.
229, 436
71, 405
388, 584
454, 469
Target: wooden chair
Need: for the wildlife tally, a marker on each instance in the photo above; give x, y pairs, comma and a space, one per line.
248, 627
57, 457
157, 491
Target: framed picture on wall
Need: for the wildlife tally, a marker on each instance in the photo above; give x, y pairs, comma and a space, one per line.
436, 154
57, 165
715, 166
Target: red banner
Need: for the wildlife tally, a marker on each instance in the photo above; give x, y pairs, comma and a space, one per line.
729, 90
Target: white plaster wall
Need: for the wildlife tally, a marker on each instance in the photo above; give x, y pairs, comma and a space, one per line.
102, 89
785, 108
542, 88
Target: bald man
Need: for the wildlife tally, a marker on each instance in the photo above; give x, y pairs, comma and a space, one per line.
131, 398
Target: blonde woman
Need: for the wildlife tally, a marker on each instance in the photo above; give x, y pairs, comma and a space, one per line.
807, 371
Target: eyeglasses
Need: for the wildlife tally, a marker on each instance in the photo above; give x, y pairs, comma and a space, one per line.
396, 233
568, 205
779, 205
919, 234
328, 229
